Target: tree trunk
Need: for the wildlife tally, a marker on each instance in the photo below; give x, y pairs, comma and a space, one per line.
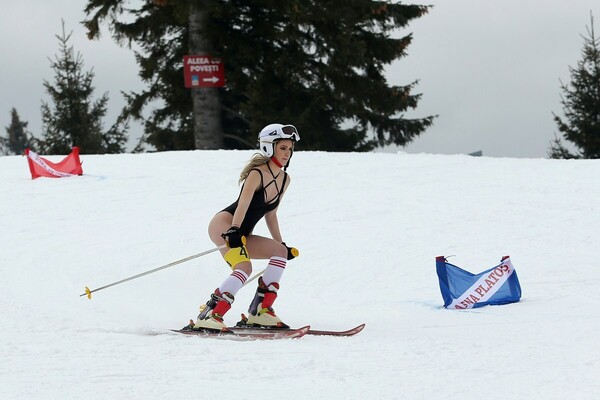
206, 105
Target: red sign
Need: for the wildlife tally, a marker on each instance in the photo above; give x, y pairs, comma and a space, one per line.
203, 71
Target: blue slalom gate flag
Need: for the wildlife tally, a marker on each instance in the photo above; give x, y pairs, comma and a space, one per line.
462, 289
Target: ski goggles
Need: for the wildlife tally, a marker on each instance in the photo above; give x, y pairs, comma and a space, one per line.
289, 132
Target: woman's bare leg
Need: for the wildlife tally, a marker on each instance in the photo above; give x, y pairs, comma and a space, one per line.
217, 226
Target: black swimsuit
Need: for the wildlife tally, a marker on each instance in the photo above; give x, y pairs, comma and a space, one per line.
258, 205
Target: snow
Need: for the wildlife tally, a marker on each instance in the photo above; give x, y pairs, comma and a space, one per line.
368, 227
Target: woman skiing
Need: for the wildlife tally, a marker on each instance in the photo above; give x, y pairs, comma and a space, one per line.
264, 182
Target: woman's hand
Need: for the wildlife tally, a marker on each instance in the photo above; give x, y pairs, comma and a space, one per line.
292, 251
233, 237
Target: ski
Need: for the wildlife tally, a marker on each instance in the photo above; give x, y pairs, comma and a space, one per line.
314, 332
243, 325
349, 332
246, 334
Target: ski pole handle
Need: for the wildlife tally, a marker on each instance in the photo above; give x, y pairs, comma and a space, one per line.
89, 292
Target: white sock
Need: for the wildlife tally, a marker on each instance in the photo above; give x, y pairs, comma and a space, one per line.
274, 270
234, 282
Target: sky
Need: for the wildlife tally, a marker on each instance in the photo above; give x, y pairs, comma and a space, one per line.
359, 262
490, 70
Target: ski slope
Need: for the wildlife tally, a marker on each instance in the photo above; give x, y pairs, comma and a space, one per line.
368, 227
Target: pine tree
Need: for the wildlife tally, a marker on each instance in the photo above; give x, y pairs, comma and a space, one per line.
316, 64
18, 137
581, 104
73, 118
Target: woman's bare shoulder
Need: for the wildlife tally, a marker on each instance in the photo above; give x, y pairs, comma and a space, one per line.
254, 178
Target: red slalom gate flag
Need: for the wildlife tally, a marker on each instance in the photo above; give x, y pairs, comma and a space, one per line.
39, 166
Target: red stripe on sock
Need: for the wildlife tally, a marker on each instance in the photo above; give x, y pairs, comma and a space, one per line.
277, 263
240, 276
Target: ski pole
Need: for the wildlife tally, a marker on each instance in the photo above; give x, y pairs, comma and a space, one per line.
255, 276
89, 292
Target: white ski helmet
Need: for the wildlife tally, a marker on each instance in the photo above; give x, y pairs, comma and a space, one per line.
274, 132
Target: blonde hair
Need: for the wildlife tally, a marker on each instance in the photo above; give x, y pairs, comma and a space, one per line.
256, 160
